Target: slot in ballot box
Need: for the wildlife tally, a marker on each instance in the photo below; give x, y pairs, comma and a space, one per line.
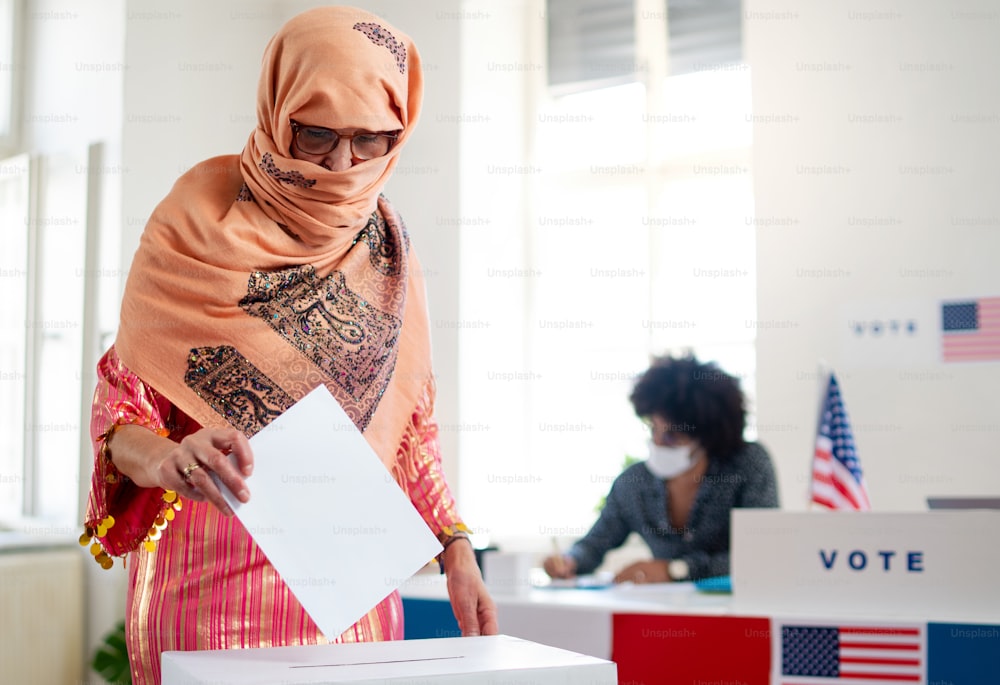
937, 564
482, 660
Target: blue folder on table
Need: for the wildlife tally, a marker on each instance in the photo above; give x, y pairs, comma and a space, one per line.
722, 584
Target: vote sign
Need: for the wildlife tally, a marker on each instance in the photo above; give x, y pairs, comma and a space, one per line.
931, 565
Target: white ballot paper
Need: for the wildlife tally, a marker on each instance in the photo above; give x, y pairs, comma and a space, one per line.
329, 515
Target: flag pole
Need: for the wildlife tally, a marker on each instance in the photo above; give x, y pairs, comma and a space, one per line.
823, 372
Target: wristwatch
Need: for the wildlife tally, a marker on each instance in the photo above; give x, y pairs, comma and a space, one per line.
678, 569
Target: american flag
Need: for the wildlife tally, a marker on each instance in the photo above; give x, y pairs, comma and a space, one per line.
856, 654
970, 330
837, 481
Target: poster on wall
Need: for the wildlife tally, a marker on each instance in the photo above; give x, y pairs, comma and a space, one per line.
907, 333
886, 333
970, 330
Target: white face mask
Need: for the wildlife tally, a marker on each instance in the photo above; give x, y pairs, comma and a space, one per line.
667, 462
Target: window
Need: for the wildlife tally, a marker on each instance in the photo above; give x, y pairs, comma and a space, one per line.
15, 201
595, 43
590, 41
59, 247
44, 206
636, 239
10, 68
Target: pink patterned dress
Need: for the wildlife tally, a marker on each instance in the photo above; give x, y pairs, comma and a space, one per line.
197, 579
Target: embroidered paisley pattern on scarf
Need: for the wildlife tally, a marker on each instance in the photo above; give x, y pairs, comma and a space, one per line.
380, 36
235, 388
352, 342
292, 178
383, 244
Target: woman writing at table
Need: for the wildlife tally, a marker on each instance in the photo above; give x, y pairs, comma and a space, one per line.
679, 499
259, 277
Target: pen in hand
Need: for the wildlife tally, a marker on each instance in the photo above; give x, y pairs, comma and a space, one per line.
558, 565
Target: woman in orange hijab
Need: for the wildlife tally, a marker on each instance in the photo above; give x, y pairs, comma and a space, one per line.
257, 278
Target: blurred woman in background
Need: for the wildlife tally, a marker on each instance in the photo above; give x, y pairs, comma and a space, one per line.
678, 500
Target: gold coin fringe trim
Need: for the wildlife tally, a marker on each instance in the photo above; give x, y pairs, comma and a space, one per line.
449, 531
171, 505
447, 536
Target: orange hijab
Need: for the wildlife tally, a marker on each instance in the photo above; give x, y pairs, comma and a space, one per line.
261, 276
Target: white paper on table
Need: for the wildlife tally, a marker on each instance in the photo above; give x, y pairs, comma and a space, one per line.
328, 515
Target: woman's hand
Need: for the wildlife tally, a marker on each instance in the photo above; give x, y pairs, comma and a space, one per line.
185, 467
652, 571
560, 566
471, 603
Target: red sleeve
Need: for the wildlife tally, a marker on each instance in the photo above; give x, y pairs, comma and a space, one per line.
418, 470
121, 515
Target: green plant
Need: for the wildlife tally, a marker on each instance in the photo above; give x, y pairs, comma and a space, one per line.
628, 461
111, 658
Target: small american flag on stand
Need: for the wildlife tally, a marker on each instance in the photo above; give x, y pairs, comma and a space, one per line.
970, 330
837, 481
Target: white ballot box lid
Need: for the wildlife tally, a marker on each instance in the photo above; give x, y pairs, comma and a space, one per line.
416, 662
939, 565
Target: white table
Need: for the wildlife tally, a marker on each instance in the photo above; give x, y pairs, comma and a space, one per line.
654, 630
575, 619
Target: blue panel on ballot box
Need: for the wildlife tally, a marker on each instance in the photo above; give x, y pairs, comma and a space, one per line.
962, 654
428, 618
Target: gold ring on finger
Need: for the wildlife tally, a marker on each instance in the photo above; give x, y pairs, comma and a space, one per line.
189, 469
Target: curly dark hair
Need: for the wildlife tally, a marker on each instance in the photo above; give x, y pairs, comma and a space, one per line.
699, 399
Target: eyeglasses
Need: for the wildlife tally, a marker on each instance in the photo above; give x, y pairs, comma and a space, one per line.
315, 140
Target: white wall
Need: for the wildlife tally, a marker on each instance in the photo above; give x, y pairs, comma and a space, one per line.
73, 68
876, 135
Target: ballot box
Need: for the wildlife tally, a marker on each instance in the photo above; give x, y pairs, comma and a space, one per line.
484, 660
